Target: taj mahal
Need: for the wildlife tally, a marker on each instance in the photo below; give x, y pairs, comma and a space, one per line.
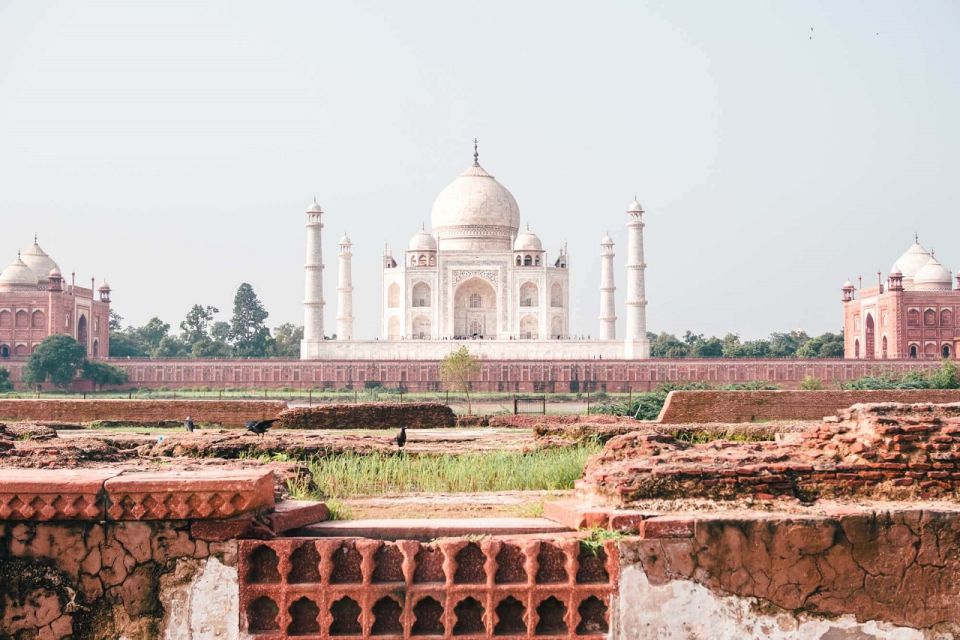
475, 278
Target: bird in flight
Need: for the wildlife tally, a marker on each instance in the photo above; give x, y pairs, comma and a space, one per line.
259, 427
401, 438
188, 424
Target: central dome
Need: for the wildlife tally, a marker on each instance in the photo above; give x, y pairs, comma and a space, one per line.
475, 212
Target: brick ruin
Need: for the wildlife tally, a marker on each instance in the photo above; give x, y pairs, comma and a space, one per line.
847, 528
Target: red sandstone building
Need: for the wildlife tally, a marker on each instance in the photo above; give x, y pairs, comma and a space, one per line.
913, 315
35, 302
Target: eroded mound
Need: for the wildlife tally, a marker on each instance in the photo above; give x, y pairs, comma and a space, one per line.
883, 451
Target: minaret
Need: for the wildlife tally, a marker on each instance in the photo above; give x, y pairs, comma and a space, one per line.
636, 344
345, 291
313, 271
608, 313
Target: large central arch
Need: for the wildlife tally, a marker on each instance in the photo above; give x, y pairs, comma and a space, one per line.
475, 309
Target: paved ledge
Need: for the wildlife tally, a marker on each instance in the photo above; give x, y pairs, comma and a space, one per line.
103, 494
428, 528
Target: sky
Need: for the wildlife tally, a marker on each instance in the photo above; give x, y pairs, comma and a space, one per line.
777, 148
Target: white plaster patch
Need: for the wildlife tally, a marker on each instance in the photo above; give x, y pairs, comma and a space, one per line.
201, 601
685, 610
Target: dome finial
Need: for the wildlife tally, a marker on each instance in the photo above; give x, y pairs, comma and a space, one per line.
916, 237
35, 237
476, 153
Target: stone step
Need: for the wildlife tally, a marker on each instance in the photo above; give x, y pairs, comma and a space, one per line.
429, 528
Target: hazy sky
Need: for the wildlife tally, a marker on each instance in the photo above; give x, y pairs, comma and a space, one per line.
778, 148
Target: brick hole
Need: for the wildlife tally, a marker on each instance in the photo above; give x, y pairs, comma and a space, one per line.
303, 617
551, 561
262, 615
304, 564
551, 612
263, 566
346, 617
346, 564
510, 617
470, 562
388, 565
510, 565
386, 617
469, 614
593, 616
429, 618
592, 565
429, 561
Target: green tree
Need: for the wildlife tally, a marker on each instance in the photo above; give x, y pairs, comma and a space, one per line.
666, 345
195, 327
171, 347
151, 334
101, 373
457, 369
248, 335
220, 331
945, 377
116, 322
785, 345
286, 339
5, 384
57, 358
827, 345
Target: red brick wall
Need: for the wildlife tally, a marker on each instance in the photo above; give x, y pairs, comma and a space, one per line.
495, 375
373, 415
752, 406
225, 412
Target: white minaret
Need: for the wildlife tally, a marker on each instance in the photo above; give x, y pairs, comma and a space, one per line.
636, 344
345, 291
608, 310
313, 287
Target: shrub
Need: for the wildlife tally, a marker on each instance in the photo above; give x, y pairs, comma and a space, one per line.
5, 384
811, 383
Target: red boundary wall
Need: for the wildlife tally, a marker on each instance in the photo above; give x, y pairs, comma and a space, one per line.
753, 406
495, 375
231, 413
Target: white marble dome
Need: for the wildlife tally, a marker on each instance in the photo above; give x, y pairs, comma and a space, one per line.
933, 276
913, 259
475, 212
527, 241
39, 262
634, 207
18, 275
422, 241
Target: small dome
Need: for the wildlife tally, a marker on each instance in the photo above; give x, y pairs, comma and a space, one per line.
912, 260
896, 271
345, 239
933, 277
314, 207
54, 273
422, 241
527, 241
606, 240
634, 207
848, 285
105, 286
18, 276
37, 259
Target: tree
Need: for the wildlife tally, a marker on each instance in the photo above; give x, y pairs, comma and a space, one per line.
171, 347
457, 369
286, 339
827, 345
58, 357
101, 373
5, 384
248, 335
116, 321
666, 345
152, 333
196, 324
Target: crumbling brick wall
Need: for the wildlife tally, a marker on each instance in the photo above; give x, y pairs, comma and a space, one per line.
379, 415
229, 413
756, 406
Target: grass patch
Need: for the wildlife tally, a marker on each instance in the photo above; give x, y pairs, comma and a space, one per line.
597, 536
339, 510
349, 474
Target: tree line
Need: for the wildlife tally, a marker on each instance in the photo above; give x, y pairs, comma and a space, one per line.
794, 344
246, 335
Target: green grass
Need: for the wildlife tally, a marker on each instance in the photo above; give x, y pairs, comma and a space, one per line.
349, 475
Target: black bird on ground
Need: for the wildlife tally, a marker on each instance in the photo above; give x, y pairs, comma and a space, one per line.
188, 424
259, 427
401, 438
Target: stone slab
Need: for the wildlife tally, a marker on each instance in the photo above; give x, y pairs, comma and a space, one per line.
52, 494
293, 514
188, 495
428, 529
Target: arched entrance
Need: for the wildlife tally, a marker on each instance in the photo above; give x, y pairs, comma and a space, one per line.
475, 309
82, 330
870, 339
